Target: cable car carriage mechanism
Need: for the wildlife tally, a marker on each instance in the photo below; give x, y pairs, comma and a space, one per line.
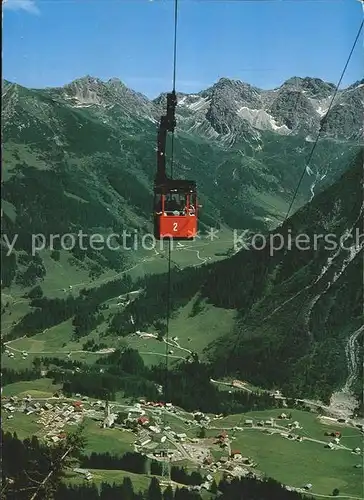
175, 202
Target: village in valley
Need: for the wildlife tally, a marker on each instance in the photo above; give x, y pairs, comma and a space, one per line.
253, 444
161, 431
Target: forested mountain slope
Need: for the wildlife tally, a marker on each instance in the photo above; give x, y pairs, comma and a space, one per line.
296, 306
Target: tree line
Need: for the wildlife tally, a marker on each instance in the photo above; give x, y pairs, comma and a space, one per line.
138, 464
9, 376
85, 309
187, 385
151, 305
33, 470
236, 489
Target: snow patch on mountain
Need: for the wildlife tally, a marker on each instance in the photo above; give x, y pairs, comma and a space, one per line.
85, 97
261, 120
200, 104
321, 111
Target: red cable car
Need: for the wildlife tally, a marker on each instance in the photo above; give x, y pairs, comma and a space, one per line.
175, 209
175, 202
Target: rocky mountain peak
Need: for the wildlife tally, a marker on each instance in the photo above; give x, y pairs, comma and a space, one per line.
313, 87
356, 84
86, 90
89, 91
229, 110
115, 82
236, 89
86, 81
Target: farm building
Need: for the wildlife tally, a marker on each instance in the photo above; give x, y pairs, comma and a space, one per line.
77, 405
144, 438
181, 436
84, 472
143, 420
145, 441
154, 428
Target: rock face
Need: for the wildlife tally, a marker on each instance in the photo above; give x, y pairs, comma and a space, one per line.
233, 108
229, 110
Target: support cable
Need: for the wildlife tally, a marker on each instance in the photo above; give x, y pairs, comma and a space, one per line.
168, 312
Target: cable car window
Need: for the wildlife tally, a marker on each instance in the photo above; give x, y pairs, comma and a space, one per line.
175, 203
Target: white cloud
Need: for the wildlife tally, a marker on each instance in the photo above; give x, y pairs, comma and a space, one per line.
27, 5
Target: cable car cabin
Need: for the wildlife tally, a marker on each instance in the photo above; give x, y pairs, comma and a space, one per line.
175, 210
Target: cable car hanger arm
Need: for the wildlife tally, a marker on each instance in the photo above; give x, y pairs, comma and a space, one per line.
167, 124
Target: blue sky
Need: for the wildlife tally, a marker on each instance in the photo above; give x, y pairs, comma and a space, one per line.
262, 42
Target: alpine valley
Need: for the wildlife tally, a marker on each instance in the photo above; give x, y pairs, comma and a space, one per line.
252, 330
82, 158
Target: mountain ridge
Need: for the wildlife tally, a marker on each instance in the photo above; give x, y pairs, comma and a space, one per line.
308, 98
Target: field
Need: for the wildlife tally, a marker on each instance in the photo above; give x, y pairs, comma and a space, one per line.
193, 334
312, 426
114, 441
140, 481
41, 388
202, 329
298, 463
58, 341
24, 425
64, 278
